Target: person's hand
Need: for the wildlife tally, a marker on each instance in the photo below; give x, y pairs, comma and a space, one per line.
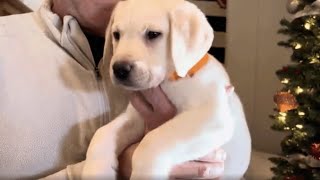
156, 109
208, 167
92, 15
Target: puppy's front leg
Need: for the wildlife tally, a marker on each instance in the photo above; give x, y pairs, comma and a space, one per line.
109, 141
190, 135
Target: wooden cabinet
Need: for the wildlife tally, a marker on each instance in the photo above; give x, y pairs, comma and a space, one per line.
9, 7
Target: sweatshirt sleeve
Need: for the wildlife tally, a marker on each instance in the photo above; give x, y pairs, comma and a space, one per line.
71, 172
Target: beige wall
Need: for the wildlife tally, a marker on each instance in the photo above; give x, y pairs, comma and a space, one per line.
252, 59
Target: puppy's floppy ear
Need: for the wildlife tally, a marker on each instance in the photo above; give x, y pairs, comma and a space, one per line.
117, 96
108, 47
191, 36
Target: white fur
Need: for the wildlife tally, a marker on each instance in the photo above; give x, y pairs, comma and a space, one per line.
204, 120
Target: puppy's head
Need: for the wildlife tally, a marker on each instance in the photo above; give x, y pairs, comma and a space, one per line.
147, 40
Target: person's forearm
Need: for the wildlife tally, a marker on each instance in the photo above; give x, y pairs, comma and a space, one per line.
71, 172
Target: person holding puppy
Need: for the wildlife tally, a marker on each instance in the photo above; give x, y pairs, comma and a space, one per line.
53, 98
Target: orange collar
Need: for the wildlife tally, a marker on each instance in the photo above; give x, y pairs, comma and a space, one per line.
203, 61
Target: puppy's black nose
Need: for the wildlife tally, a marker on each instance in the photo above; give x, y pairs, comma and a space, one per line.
122, 70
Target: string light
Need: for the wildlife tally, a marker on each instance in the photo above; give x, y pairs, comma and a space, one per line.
309, 23
299, 90
282, 119
307, 26
298, 46
285, 81
299, 126
283, 114
286, 128
314, 60
301, 113
304, 134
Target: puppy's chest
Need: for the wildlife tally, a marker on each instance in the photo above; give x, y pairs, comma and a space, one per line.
186, 93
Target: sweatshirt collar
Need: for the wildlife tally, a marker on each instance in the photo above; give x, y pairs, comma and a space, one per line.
66, 33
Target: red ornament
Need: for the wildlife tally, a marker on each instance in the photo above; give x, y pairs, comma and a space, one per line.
285, 68
315, 150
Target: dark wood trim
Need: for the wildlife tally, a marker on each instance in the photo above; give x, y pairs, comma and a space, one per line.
19, 5
11, 5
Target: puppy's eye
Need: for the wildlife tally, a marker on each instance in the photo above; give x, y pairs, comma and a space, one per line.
116, 35
151, 35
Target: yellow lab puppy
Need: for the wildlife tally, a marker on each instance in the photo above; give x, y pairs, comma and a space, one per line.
165, 42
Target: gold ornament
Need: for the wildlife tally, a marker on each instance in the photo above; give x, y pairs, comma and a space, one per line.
309, 23
285, 101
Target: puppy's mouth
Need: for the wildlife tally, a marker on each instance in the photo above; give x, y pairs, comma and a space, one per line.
136, 76
130, 85
135, 82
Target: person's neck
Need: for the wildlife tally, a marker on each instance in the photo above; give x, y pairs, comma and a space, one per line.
62, 8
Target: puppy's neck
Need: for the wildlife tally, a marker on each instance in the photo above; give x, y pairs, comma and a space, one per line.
173, 76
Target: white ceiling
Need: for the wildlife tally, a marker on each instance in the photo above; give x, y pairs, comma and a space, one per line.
33, 4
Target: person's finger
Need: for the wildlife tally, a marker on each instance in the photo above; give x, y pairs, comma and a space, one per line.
125, 164
197, 170
229, 89
218, 155
140, 104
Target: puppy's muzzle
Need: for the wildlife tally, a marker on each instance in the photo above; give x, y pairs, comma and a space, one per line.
122, 70
132, 75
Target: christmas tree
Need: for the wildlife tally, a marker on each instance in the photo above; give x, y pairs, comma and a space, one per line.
298, 103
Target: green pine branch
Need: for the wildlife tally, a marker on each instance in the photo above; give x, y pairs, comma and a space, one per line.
302, 124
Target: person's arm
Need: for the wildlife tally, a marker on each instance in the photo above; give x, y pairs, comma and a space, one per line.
210, 166
156, 109
73, 172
